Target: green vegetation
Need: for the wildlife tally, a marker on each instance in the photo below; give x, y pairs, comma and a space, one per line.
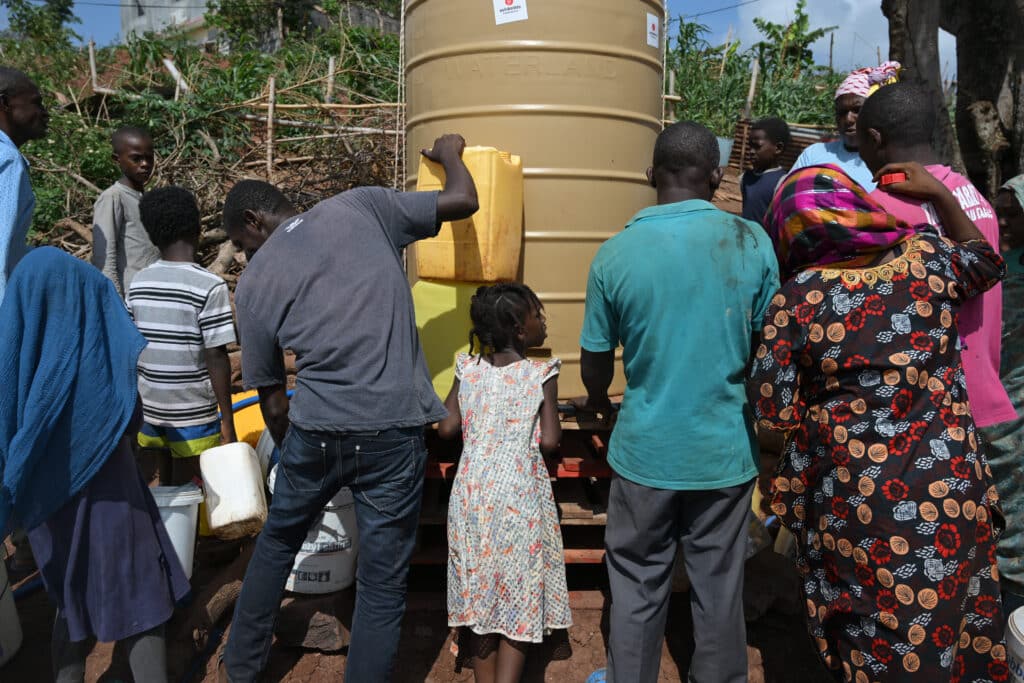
212, 133
713, 81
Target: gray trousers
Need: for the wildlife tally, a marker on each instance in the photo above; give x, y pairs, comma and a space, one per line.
147, 654
644, 527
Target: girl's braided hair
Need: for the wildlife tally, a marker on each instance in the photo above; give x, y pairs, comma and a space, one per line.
496, 310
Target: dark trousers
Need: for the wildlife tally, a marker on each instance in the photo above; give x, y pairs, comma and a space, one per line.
644, 528
384, 470
147, 654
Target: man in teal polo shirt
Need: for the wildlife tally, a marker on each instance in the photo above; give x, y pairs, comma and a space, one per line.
683, 288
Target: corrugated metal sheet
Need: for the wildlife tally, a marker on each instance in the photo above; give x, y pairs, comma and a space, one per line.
802, 138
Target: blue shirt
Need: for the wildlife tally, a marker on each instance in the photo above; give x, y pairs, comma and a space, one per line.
682, 289
16, 204
835, 153
758, 190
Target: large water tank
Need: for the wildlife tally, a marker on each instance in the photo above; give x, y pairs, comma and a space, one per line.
573, 87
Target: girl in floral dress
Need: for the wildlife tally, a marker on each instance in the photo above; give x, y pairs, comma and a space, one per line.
506, 571
882, 479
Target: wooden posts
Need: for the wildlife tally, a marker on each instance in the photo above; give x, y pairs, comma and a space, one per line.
755, 73
271, 102
329, 90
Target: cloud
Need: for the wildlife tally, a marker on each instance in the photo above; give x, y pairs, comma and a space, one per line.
862, 31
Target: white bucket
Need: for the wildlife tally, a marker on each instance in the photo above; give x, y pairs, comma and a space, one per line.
236, 505
10, 626
1015, 645
179, 510
326, 562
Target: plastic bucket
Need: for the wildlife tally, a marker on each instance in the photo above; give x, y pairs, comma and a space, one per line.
236, 505
179, 510
1015, 645
10, 626
326, 562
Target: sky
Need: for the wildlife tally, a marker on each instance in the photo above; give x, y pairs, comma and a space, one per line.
861, 34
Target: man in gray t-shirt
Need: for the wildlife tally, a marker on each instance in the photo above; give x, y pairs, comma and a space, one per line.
330, 285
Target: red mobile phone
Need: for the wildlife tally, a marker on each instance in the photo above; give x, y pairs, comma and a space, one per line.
890, 178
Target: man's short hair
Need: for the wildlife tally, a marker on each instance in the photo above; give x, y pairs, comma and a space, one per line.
775, 129
14, 82
686, 144
252, 195
902, 112
169, 214
125, 133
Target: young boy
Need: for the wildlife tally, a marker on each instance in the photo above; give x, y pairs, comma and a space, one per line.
768, 140
120, 246
184, 312
895, 126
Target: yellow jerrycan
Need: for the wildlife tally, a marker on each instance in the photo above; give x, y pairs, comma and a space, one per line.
485, 247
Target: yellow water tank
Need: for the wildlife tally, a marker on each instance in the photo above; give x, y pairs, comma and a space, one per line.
573, 87
486, 246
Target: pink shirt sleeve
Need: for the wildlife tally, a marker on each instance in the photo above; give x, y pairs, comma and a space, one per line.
981, 317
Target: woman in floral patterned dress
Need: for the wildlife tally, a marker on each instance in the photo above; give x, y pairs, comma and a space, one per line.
882, 480
506, 571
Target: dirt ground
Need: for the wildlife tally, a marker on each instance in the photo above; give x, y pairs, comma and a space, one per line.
775, 628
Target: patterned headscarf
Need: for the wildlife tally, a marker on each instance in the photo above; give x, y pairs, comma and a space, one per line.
821, 217
866, 81
1016, 186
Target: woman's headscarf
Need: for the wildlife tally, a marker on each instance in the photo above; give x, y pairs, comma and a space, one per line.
68, 388
821, 217
1016, 186
864, 82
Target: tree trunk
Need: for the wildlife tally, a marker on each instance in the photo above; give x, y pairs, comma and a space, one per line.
990, 87
914, 43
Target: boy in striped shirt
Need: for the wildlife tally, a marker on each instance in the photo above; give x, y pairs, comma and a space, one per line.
185, 312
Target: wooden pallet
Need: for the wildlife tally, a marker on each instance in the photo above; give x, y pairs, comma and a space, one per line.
580, 479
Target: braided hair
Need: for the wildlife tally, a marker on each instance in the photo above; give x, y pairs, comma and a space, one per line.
496, 310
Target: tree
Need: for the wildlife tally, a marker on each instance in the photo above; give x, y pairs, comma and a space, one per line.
990, 87
989, 134
44, 23
914, 43
788, 46
255, 24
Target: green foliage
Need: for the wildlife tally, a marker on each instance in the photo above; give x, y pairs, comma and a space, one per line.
713, 81
252, 24
203, 139
45, 22
788, 46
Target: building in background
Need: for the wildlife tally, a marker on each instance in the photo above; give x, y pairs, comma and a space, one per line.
145, 16
188, 16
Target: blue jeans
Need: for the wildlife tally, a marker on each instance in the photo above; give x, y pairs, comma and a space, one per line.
385, 471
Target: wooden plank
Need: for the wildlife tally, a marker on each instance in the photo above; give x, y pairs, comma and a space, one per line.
437, 555
564, 468
572, 500
584, 555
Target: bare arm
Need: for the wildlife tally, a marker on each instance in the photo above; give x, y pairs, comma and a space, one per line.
274, 406
219, 367
458, 200
923, 185
597, 370
550, 426
451, 426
